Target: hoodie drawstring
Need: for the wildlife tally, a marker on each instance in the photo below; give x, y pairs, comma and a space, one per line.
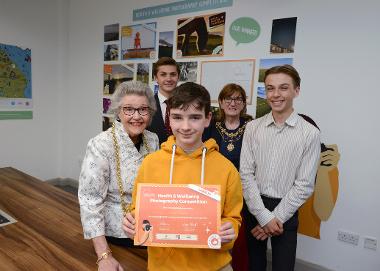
204, 150
172, 164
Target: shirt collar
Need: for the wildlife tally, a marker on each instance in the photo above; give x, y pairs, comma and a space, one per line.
161, 97
290, 121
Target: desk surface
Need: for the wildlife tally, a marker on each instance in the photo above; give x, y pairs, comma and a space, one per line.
48, 234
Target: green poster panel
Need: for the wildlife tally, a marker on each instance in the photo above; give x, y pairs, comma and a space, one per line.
12, 115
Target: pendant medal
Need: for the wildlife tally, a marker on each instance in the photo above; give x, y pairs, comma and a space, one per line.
230, 146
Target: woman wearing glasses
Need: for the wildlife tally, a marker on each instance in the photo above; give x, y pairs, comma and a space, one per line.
229, 123
110, 166
227, 129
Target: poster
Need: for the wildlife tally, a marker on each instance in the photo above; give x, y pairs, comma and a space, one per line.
111, 52
143, 72
111, 32
116, 74
185, 215
262, 106
15, 82
138, 41
201, 36
188, 71
165, 41
283, 35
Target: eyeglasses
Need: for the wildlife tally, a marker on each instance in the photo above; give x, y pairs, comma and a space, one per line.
238, 100
129, 111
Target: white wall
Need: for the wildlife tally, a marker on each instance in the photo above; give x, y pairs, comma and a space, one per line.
337, 55
34, 146
336, 52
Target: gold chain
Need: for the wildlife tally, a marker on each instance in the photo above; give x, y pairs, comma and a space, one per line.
231, 136
124, 206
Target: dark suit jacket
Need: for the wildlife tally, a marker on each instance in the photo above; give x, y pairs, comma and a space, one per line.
158, 126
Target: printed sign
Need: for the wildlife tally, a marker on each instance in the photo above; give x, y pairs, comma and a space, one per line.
178, 216
244, 30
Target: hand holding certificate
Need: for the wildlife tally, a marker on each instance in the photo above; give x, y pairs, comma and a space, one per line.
178, 215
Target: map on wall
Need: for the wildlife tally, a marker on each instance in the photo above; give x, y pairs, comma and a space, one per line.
15, 82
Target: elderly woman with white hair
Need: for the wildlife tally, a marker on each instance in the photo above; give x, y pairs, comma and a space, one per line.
110, 166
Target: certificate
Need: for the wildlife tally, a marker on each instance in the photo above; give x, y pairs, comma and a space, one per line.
178, 215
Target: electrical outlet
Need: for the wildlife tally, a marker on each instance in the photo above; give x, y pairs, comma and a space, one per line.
348, 237
370, 243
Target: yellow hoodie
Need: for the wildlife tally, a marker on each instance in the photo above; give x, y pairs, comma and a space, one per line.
188, 167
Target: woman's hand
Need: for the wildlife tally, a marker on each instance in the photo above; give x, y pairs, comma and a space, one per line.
129, 225
109, 264
105, 260
226, 232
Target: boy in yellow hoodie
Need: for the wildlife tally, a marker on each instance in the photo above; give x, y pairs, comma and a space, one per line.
185, 157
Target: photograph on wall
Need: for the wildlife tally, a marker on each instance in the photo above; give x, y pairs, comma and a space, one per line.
165, 44
111, 52
262, 106
188, 71
15, 82
143, 72
138, 41
106, 105
267, 63
240, 72
116, 74
107, 122
283, 35
201, 36
111, 32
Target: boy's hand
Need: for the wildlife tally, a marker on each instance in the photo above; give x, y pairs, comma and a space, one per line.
226, 232
273, 227
129, 225
259, 233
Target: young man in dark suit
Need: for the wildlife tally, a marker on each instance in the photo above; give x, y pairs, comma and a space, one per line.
166, 73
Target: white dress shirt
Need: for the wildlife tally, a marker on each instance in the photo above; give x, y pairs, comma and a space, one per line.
278, 162
162, 99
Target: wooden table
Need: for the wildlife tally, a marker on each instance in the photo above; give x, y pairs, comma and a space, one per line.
48, 234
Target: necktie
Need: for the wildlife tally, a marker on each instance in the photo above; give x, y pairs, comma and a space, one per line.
167, 122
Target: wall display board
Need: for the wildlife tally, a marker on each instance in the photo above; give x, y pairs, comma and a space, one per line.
15, 82
240, 72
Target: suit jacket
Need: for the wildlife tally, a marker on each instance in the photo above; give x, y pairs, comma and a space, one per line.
158, 126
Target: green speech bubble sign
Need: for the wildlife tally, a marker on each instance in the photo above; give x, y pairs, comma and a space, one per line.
244, 30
